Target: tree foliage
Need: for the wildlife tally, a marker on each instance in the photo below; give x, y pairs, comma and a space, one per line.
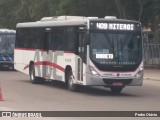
15, 11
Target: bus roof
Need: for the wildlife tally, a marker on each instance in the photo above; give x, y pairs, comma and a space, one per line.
7, 31
69, 21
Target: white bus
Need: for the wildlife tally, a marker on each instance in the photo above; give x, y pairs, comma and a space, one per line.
87, 51
7, 42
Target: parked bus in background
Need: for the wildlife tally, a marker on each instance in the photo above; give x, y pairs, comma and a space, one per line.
7, 44
87, 51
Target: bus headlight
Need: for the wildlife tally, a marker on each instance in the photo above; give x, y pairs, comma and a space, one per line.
140, 71
93, 71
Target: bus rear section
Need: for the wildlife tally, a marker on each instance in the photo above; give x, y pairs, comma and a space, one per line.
7, 43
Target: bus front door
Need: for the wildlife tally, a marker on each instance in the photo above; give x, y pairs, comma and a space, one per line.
82, 55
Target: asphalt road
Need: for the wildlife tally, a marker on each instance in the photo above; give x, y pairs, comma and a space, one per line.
20, 94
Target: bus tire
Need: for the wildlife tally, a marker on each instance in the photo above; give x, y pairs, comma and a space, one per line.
33, 78
116, 90
70, 84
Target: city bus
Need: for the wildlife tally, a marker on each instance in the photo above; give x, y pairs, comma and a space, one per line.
77, 50
7, 43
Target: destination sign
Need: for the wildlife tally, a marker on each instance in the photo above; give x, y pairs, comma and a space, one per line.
115, 26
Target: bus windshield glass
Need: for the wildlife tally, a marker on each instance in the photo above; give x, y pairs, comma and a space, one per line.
116, 50
7, 44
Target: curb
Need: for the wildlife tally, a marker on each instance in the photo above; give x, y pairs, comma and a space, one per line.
153, 79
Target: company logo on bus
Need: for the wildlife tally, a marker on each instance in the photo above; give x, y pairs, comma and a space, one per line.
118, 74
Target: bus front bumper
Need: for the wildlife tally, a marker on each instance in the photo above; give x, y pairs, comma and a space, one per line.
113, 81
6, 64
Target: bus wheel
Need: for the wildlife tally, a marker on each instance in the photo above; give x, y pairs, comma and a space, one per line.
71, 85
33, 78
116, 90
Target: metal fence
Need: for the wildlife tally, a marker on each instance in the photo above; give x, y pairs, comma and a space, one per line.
152, 55
151, 49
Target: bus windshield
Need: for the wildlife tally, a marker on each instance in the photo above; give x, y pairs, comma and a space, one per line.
116, 50
7, 44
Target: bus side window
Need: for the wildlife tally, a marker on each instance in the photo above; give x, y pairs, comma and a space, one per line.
19, 38
70, 39
40, 41
57, 39
47, 39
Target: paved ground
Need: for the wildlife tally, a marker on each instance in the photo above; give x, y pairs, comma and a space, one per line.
20, 94
153, 74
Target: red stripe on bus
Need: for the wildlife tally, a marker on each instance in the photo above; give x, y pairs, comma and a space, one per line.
29, 49
49, 64
46, 63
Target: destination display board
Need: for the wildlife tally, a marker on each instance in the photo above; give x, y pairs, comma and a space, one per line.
101, 25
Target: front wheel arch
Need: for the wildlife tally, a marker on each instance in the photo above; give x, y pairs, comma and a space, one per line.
70, 80
67, 70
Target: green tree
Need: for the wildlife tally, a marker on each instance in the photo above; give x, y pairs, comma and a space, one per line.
15, 11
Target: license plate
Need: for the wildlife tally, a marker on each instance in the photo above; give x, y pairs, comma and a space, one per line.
5, 65
117, 84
